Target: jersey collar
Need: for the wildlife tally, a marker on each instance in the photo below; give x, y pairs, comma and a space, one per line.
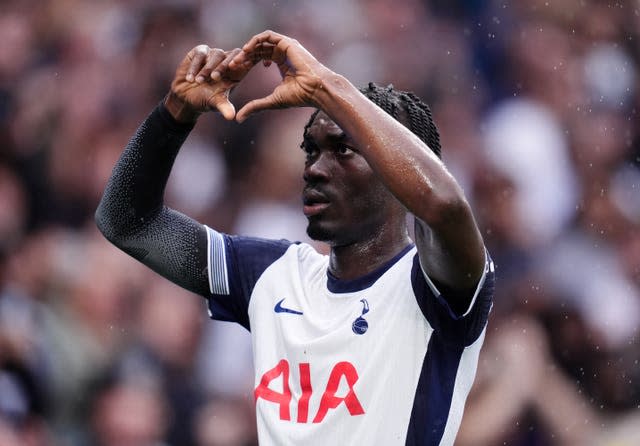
336, 285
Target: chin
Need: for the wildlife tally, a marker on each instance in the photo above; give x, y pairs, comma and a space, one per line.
332, 237
318, 230
318, 233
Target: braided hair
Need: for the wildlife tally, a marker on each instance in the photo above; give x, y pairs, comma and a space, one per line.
405, 107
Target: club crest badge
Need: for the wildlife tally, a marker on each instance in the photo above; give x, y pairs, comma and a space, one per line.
360, 325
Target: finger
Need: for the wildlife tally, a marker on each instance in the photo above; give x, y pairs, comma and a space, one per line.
223, 67
239, 59
226, 109
261, 52
255, 106
198, 56
268, 52
265, 36
214, 57
279, 52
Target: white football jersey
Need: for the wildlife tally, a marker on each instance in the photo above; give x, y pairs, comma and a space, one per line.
380, 360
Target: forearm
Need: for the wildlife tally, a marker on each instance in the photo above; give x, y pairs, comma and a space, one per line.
411, 171
133, 217
134, 192
416, 177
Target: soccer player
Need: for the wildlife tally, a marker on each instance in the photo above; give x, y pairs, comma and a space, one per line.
376, 343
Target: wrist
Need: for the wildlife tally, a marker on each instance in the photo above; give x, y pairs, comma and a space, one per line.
334, 88
179, 110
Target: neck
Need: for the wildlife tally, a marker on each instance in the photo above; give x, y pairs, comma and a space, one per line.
354, 260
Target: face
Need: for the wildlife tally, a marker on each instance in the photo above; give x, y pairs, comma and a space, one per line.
343, 199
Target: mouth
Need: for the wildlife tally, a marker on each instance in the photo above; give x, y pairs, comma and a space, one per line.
314, 202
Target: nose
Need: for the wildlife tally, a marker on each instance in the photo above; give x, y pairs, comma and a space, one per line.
318, 168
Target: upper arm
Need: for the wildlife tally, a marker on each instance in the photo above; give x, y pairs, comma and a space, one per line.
452, 254
235, 264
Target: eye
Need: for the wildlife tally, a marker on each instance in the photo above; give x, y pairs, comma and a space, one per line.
343, 149
310, 151
309, 146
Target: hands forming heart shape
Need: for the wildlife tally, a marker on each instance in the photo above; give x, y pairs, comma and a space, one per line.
206, 76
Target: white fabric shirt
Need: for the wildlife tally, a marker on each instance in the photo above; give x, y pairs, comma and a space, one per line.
380, 360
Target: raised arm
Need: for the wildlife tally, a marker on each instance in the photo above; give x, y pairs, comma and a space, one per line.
131, 213
449, 243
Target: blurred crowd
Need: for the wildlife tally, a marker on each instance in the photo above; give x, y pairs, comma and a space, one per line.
537, 103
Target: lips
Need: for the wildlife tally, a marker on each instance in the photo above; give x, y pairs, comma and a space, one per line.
314, 202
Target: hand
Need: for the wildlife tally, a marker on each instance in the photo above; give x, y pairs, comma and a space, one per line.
202, 83
302, 74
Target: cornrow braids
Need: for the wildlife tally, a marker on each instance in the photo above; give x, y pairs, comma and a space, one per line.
405, 107
305, 132
408, 109
422, 121
382, 97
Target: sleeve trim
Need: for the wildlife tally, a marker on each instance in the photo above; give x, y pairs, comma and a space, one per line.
488, 266
217, 263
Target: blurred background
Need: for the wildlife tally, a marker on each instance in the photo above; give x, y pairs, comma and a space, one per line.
537, 105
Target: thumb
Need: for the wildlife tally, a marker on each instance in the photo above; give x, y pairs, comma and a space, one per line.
255, 106
226, 109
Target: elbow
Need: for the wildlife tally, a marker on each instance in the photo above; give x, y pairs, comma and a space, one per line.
100, 220
107, 223
454, 208
103, 223
445, 206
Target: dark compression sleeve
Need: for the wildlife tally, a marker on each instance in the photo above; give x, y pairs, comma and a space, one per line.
133, 217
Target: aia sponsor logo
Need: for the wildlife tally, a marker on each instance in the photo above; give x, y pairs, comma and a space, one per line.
278, 377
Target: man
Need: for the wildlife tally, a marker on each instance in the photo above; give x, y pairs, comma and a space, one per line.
376, 343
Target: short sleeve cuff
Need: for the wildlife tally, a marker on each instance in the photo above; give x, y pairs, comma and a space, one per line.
488, 268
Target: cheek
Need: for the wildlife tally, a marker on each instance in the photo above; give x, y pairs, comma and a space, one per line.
368, 194
364, 192
357, 174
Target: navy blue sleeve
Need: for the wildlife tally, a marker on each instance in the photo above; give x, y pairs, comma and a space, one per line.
235, 265
459, 330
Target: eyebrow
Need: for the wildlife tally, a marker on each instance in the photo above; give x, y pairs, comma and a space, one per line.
308, 141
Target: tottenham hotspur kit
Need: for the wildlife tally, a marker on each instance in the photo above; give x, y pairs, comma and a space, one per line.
380, 360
